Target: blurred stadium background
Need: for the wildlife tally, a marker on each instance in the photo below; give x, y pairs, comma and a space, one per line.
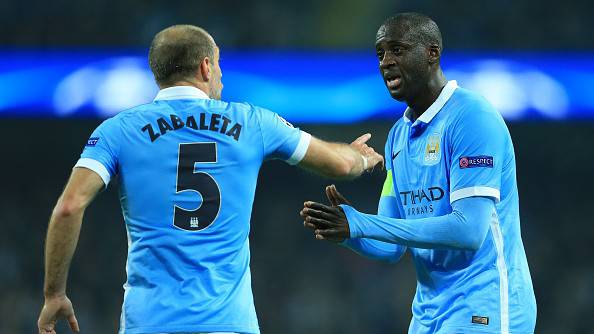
65, 66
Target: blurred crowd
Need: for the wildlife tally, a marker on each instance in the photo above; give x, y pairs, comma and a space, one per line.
465, 24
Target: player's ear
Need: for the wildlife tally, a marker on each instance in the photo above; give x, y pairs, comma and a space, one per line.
434, 53
205, 71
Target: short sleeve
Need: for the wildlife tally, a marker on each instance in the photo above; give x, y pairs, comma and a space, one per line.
101, 149
281, 139
479, 142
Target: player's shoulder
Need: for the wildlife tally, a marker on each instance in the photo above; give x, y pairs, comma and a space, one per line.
257, 114
470, 106
119, 119
466, 100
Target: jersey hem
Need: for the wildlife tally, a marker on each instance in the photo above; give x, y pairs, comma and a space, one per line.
96, 167
191, 329
301, 149
474, 329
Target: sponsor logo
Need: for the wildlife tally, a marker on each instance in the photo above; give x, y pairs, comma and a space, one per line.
478, 161
92, 141
420, 201
432, 149
394, 155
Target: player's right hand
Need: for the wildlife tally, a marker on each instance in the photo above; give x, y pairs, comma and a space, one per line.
56, 308
373, 158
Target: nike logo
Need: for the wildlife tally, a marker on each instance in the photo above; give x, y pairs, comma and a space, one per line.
394, 155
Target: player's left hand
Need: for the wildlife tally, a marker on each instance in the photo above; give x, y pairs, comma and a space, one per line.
54, 309
328, 222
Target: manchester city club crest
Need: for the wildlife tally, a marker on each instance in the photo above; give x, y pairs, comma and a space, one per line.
432, 149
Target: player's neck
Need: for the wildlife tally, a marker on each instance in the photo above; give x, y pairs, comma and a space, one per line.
428, 95
200, 85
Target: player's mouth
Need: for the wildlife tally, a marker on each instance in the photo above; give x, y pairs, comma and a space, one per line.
393, 81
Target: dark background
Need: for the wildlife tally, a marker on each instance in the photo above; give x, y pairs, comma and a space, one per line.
301, 285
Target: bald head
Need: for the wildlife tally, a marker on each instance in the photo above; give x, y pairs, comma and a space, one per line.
415, 27
176, 53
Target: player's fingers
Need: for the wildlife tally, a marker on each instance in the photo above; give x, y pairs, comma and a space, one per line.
73, 323
43, 331
46, 328
331, 233
318, 207
336, 194
331, 199
377, 159
302, 213
311, 213
320, 223
362, 139
309, 225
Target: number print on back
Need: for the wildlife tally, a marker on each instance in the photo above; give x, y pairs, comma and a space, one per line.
201, 182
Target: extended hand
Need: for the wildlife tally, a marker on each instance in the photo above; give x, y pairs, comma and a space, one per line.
373, 158
54, 309
328, 222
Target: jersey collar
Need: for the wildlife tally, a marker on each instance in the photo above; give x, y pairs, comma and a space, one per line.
441, 100
180, 93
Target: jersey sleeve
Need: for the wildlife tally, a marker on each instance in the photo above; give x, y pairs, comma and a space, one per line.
478, 148
101, 151
281, 139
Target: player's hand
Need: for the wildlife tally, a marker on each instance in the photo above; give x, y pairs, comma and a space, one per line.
373, 158
328, 222
334, 197
56, 308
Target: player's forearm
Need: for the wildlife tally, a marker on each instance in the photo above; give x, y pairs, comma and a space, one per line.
62, 237
465, 228
375, 249
352, 162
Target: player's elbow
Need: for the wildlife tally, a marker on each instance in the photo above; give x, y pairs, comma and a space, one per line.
69, 206
472, 243
472, 240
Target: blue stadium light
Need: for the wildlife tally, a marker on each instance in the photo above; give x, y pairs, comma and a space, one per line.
304, 87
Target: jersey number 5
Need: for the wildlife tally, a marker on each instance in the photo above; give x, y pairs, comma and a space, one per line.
200, 182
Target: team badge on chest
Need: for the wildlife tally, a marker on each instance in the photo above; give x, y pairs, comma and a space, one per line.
432, 149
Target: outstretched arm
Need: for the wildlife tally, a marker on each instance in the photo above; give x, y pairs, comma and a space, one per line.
62, 237
340, 160
281, 140
375, 249
465, 228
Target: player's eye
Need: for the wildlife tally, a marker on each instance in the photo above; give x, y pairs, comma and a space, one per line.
380, 54
397, 50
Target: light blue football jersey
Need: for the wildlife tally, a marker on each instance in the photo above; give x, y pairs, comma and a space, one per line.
187, 168
460, 147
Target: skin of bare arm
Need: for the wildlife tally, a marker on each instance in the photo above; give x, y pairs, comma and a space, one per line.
339, 160
62, 237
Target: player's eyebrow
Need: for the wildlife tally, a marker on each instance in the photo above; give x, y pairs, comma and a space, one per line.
392, 43
399, 43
